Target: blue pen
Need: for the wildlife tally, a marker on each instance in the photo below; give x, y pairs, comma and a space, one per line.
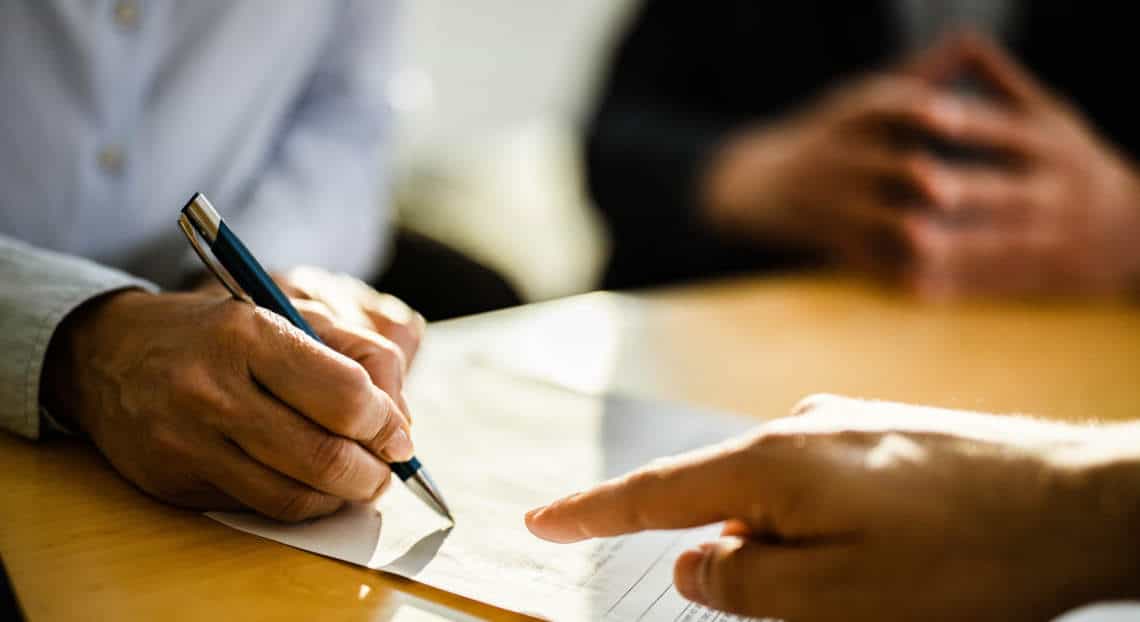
244, 277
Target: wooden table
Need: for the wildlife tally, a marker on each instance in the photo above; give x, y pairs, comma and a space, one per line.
80, 543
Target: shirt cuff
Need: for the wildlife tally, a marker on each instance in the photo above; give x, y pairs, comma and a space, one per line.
30, 420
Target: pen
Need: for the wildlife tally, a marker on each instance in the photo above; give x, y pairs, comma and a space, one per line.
241, 274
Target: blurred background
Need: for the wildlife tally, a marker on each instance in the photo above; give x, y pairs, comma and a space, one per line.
488, 156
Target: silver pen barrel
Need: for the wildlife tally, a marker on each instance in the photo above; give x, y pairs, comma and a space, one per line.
423, 487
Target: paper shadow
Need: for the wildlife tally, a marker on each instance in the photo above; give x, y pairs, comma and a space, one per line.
420, 555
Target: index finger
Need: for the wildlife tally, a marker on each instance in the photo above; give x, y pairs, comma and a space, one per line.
702, 487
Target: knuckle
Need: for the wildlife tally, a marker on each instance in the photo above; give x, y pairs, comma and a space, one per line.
919, 173
919, 108
364, 426
237, 320
356, 398
392, 312
391, 356
872, 97
407, 334
332, 461
357, 383
644, 482
922, 244
414, 325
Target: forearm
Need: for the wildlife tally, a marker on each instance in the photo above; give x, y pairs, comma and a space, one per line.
38, 289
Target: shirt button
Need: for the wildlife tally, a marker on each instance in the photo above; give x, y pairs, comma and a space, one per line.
111, 160
127, 14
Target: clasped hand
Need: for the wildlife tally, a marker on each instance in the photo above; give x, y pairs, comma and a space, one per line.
1044, 206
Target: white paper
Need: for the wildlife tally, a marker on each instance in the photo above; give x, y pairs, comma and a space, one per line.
1105, 612
498, 446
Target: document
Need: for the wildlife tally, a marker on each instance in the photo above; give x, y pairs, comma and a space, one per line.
498, 445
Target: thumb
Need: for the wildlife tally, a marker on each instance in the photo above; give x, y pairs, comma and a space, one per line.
748, 578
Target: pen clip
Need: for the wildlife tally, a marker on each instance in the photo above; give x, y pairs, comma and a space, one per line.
207, 257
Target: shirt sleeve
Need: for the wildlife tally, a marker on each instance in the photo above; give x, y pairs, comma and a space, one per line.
321, 198
37, 290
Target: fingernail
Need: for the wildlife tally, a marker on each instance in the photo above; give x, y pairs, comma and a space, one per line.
549, 523
689, 573
400, 446
531, 516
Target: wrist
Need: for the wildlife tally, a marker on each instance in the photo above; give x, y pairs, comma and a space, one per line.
74, 351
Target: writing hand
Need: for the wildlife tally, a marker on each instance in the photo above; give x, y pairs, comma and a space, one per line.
210, 403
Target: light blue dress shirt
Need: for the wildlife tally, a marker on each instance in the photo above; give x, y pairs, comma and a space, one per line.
112, 113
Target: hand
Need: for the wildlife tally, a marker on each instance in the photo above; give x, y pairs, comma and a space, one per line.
1063, 217
215, 404
836, 177
868, 511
